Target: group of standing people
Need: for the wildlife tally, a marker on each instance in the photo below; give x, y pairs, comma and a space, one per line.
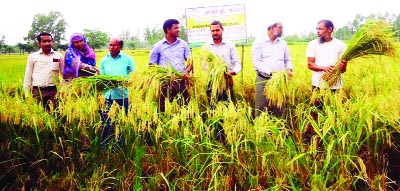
45, 67
269, 55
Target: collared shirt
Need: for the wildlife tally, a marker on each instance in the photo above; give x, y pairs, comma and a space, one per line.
325, 54
43, 70
122, 65
228, 52
271, 56
175, 54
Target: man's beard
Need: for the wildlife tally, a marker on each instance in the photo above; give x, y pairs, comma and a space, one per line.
216, 37
322, 39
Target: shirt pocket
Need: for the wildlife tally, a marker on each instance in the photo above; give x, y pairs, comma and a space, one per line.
55, 64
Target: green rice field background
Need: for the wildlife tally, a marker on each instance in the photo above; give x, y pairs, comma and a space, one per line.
356, 146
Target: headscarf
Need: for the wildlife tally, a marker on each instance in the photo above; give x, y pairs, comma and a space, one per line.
74, 57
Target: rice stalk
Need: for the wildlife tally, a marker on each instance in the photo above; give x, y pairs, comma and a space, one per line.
216, 69
148, 82
277, 90
376, 37
99, 83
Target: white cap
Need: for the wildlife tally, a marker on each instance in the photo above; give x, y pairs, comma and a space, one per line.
269, 21
272, 22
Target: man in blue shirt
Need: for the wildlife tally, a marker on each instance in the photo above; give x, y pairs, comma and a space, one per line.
172, 52
119, 64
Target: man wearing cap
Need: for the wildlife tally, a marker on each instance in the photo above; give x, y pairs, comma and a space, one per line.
269, 55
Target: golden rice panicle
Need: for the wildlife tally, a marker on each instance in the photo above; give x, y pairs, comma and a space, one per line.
211, 61
277, 89
376, 37
216, 68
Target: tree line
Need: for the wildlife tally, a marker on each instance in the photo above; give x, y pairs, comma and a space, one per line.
55, 23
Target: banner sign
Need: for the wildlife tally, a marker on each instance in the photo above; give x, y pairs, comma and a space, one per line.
232, 17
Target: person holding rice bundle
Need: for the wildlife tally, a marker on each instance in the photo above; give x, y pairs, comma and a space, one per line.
224, 62
227, 52
115, 63
269, 55
173, 52
322, 54
80, 59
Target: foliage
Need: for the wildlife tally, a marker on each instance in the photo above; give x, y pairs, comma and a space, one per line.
132, 42
2, 39
343, 33
95, 38
396, 27
153, 35
52, 22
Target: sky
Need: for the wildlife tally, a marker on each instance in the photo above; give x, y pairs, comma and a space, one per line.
117, 16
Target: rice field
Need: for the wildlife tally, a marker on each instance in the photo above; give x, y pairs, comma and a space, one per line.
356, 146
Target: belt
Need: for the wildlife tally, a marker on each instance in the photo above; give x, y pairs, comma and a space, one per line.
44, 88
266, 77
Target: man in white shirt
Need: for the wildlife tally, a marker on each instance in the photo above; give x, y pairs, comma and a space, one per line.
323, 53
42, 72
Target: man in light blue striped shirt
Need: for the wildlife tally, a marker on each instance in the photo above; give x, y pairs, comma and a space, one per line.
226, 50
270, 55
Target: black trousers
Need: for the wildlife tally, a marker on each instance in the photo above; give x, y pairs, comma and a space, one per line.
173, 90
46, 96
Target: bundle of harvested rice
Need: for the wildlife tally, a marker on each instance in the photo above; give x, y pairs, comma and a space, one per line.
277, 90
216, 69
147, 83
376, 37
98, 83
